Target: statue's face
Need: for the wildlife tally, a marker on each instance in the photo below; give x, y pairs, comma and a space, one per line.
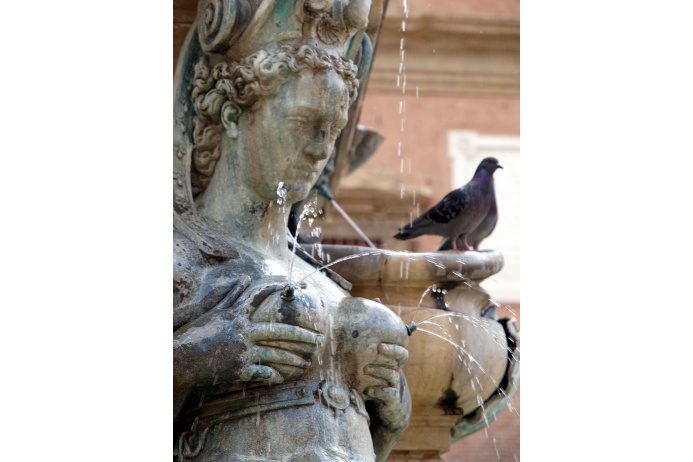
291, 136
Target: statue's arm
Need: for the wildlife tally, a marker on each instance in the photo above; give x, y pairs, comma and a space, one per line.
373, 341
388, 398
390, 415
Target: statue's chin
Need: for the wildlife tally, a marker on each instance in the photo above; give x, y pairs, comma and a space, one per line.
299, 192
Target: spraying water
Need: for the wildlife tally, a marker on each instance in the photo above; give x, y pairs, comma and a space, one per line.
326, 192
308, 209
348, 257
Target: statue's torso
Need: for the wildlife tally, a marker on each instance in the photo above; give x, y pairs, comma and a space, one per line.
318, 417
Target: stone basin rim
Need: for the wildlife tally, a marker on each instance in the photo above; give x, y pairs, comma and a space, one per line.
385, 267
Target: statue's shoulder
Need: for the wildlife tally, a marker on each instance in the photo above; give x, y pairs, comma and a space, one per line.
201, 281
188, 269
190, 259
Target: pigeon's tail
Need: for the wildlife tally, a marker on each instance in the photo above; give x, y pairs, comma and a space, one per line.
416, 228
409, 232
404, 234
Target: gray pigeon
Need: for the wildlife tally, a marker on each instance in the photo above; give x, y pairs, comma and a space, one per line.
481, 232
460, 212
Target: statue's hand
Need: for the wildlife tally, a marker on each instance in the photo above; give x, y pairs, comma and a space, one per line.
387, 386
238, 342
278, 352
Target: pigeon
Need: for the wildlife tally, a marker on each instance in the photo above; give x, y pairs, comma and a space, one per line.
481, 232
460, 212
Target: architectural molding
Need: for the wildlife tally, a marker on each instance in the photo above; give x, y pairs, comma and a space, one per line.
448, 54
442, 53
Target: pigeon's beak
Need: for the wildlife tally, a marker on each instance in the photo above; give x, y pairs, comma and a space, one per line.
500, 166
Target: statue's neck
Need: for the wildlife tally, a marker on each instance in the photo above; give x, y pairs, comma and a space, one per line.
237, 212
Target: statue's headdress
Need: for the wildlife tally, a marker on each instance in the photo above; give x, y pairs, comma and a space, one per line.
238, 28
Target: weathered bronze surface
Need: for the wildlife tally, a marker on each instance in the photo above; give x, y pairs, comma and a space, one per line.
273, 360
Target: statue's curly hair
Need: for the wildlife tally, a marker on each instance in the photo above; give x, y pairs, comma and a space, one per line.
243, 83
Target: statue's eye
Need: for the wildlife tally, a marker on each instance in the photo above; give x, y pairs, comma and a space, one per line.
297, 120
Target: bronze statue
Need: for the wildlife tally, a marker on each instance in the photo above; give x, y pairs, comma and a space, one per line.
273, 360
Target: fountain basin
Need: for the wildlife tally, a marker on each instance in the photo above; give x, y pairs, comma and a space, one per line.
458, 355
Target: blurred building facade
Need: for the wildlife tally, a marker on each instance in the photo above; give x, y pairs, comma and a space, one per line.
444, 92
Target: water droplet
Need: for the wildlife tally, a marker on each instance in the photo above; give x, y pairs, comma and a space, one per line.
281, 192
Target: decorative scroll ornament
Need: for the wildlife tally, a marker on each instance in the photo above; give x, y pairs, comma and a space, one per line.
237, 28
220, 22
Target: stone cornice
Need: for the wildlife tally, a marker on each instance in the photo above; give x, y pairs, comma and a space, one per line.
449, 54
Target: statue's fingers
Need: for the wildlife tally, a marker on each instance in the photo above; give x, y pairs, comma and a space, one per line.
396, 352
277, 331
386, 394
264, 355
288, 372
259, 373
306, 350
390, 376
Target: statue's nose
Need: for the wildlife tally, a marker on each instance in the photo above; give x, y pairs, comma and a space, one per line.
318, 150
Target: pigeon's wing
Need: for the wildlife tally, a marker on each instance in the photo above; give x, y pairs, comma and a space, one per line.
436, 219
450, 207
487, 225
